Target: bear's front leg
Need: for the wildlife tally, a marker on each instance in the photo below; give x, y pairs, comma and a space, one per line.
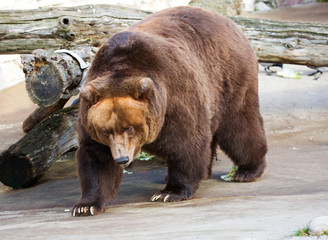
184, 175
99, 178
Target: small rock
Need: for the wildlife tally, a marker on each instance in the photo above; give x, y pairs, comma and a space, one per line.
262, 7
319, 225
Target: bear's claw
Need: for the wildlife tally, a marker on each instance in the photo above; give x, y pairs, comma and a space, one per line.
168, 197
161, 197
84, 211
155, 197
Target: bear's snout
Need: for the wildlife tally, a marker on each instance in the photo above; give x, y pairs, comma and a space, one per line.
122, 160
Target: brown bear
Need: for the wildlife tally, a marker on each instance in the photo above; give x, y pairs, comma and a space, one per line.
178, 84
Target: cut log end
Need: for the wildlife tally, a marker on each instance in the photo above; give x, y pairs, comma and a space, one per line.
46, 84
16, 171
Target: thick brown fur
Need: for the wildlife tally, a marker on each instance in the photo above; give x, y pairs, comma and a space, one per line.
192, 77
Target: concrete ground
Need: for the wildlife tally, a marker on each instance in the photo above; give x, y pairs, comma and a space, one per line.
292, 192
314, 13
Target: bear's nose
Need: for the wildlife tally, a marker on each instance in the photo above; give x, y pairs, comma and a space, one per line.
122, 160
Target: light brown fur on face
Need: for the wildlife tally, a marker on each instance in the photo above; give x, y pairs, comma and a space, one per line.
119, 123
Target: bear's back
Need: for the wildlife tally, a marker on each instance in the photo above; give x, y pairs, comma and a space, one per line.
183, 35
202, 32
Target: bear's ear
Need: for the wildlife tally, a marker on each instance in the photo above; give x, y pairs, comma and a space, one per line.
144, 88
92, 91
89, 94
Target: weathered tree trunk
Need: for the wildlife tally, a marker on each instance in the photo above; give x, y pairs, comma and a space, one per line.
52, 76
287, 42
273, 41
225, 7
51, 79
26, 161
22, 31
41, 113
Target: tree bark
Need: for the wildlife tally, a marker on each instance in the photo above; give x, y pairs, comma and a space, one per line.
287, 42
51, 76
41, 113
273, 41
51, 79
26, 161
22, 31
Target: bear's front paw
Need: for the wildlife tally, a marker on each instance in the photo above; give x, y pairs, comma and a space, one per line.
170, 197
85, 210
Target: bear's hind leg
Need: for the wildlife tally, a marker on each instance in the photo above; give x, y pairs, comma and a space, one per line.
99, 179
243, 139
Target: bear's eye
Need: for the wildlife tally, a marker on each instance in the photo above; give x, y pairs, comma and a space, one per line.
128, 130
105, 132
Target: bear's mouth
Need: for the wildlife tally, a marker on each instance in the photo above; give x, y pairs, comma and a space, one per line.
122, 160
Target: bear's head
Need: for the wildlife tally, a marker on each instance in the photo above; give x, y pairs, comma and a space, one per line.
121, 121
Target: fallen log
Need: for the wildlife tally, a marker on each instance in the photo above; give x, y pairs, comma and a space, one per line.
23, 31
52, 78
287, 42
26, 161
41, 113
